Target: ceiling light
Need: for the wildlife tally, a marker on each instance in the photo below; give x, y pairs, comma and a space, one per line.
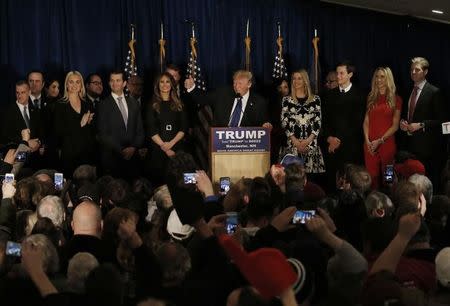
438, 12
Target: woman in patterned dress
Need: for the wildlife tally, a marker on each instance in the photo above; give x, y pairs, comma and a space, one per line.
301, 119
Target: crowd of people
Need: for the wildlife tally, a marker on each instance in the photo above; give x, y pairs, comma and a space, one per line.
353, 210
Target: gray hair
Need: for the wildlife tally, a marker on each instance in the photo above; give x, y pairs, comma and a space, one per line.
174, 261
50, 260
78, 270
424, 185
378, 200
52, 207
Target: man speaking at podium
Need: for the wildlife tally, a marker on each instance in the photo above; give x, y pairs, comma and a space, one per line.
233, 107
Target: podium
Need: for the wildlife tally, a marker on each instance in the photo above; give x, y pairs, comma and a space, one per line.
239, 151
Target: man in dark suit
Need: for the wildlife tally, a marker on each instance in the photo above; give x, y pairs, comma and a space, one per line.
22, 123
120, 130
237, 106
94, 89
343, 115
421, 121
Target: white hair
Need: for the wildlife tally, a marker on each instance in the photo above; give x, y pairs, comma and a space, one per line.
78, 270
52, 207
424, 185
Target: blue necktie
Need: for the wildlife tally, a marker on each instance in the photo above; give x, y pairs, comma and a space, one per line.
236, 116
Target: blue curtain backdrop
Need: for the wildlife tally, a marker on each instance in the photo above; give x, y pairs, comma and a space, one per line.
60, 35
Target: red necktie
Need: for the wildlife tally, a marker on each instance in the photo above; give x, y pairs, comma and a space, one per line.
412, 104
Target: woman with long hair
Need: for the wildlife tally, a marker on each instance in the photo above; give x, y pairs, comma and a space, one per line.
166, 124
380, 124
74, 130
302, 119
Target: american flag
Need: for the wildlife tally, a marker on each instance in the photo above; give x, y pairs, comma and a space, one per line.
195, 72
279, 68
130, 65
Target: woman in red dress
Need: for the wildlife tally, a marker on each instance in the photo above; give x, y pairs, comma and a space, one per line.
380, 124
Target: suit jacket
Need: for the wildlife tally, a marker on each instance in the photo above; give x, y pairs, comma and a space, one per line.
343, 116
431, 110
13, 124
221, 102
112, 133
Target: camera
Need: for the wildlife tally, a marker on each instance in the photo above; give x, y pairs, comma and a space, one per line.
224, 184
232, 222
301, 216
189, 178
13, 249
389, 174
9, 178
21, 157
59, 181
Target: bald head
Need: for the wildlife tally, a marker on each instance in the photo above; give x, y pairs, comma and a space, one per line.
87, 219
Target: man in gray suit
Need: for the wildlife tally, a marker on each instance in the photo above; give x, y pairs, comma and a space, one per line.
120, 130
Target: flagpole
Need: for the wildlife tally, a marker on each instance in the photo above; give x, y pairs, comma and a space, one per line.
162, 50
315, 42
131, 45
247, 41
280, 41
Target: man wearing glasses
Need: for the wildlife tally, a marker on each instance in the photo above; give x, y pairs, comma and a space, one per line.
94, 89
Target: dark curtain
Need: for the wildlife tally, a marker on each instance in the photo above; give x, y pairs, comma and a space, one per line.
56, 36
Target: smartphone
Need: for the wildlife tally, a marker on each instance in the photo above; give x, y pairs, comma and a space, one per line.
59, 181
189, 178
232, 222
301, 216
224, 184
389, 174
9, 178
21, 157
13, 249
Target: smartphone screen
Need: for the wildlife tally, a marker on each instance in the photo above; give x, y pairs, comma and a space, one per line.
13, 249
9, 178
21, 157
389, 174
59, 181
224, 184
232, 222
301, 216
189, 178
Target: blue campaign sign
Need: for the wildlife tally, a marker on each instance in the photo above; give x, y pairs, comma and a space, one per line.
240, 139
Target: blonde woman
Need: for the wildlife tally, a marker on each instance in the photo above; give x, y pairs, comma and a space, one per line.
301, 119
73, 125
380, 124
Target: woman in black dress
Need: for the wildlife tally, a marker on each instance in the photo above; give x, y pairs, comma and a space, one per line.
166, 124
73, 125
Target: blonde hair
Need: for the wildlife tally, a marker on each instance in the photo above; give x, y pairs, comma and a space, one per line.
421, 61
390, 89
82, 92
307, 86
243, 74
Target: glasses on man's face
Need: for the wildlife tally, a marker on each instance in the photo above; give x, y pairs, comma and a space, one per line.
96, 83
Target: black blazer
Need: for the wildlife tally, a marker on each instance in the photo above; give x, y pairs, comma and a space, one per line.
221, 102
112, 133
431, 110
13, 124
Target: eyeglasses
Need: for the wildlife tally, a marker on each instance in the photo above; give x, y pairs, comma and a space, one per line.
330, 81
96, 83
